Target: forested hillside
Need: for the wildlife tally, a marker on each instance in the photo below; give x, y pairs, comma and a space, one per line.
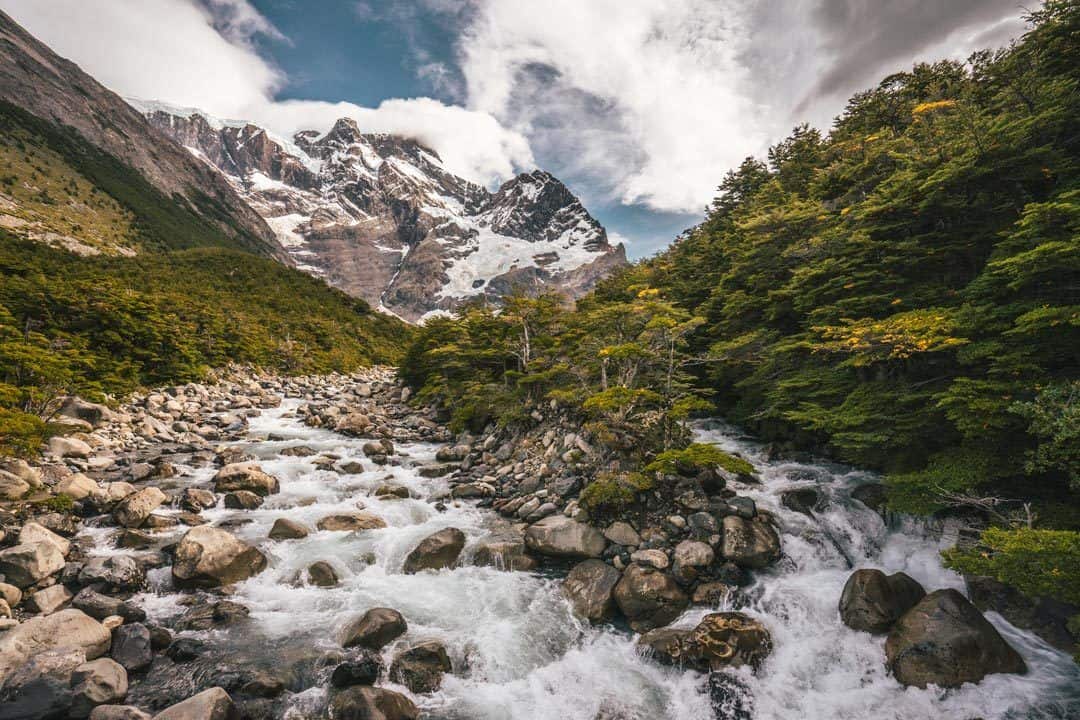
902, 293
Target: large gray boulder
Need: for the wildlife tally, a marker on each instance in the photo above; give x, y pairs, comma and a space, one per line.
118, 571
33, 532
69, 628
751, 543
93, 413
245, 476
436, 551
944, 640
132, 511
872, 601
209, 557
212, 704
374, 629
590, 587
421, 667
559, 536
363, 702
41, 686
648, 597
24, 565
97, 682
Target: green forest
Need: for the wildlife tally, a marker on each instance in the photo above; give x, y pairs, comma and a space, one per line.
901, 293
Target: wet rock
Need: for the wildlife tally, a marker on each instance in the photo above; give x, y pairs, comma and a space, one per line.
727, 639
212, 704
131, 647
872, 601
472, 490
370, 703
262, 685
184, 650
351, 467
351, 522
374, 629
99, 606
435, 471
803, 501
649, 598
944, 640
744, 507
97, 682
750, 543
1046, 617
559, 536
322, 574
590, 586
872, 495
285, 529
117, 571
362, 670
242, 500
435, 552
41, 687
730, 697
72, 629
390, 490
421, 667
298, 451
712, 593
209, 557
133, 510
197, 499
504, 554
206, 615
118, 712
24, 565
382, 447
245, 476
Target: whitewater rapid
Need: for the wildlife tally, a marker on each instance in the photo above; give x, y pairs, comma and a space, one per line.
518, 652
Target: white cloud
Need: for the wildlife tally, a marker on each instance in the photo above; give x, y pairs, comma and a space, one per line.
201, 55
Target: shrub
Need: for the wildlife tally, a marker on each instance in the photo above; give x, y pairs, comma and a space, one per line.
697, 457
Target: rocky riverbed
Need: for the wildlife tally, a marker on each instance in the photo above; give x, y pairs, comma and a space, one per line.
310, 547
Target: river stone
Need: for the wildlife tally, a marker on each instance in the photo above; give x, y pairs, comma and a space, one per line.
50, 599
99, 606
622, 533
24, 565
944, 640
60, 523
559, 536
97, 682
286, 529
32, 532
872, 601
208, 557
750, 543
421, 667
131, 647
245, 476
649, 598
118, 571
242, 500
351, 522
96, 414
118, 712
361, 670
133, 510
41, 687
197, 499
589, 586
212, 704
503, 554
77, 487
10, 593
726, 639
435, 552
693, 554
322, 574
374, 629
68, 628
651, 557
370, 703
803, 500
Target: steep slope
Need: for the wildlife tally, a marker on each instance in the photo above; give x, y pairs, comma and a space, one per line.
75, 108
381, 217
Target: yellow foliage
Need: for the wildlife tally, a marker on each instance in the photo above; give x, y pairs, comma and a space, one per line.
930, 107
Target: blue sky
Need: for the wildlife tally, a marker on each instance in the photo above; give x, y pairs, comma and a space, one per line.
639, 106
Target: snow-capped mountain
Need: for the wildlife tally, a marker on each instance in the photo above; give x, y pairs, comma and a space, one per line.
381, 217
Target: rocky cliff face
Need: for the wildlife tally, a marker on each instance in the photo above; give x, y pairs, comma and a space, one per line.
37, 80
381, 217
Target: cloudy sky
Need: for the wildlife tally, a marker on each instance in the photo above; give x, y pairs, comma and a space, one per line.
641, 106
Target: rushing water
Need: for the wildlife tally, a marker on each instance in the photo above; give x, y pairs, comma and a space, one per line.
518, 652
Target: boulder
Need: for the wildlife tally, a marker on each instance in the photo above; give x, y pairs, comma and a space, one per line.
208, 557
649, 598
1046, 617
872, 495
242, 500
50, 599
205, 615
504, 554
41, 686
691, 556
32, 532
750, 543
93, 413
285, 529
322, 574
12, 487
421, 667
99, 606
97, 682
590, 586
118, 712
944, 640
24, 565
133, 510
374, 629
361, 670
245, 476
131, 647
872, 601
77, 486
622, 533
69, 628
651, 557
435, 552
197, 499
362, 702
118, 571
726, 639
11, 594
803, 500
69, 447
559, 536
351, 522
212, 704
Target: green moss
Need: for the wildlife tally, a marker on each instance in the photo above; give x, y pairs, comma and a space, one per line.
57, 503
697, 457
610, 495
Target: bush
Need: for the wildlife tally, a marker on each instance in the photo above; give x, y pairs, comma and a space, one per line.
611, 495
697, 457
20, 433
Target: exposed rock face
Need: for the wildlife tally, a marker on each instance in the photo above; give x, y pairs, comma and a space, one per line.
209, 557
944, 640
590, 587
374, 629
68, 629
437, 551
381, 217
872, 601
559, 536
727, 639
1046, 617
649, 598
